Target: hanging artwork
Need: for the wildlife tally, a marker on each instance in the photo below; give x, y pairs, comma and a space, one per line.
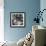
17, 19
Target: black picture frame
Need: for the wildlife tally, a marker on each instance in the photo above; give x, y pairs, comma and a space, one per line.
17, 19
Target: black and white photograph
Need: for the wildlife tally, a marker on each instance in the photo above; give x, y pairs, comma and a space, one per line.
17, 19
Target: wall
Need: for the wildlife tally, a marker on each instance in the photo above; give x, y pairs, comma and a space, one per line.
28, 6
43, 6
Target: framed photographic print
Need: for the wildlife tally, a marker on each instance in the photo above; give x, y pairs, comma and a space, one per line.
17, 19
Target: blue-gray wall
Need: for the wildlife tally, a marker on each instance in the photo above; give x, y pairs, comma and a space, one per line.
43, 6
28, 6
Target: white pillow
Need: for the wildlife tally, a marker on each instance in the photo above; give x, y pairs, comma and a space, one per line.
10, 43
20, 42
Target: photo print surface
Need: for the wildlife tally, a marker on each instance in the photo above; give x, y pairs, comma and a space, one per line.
17, 19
